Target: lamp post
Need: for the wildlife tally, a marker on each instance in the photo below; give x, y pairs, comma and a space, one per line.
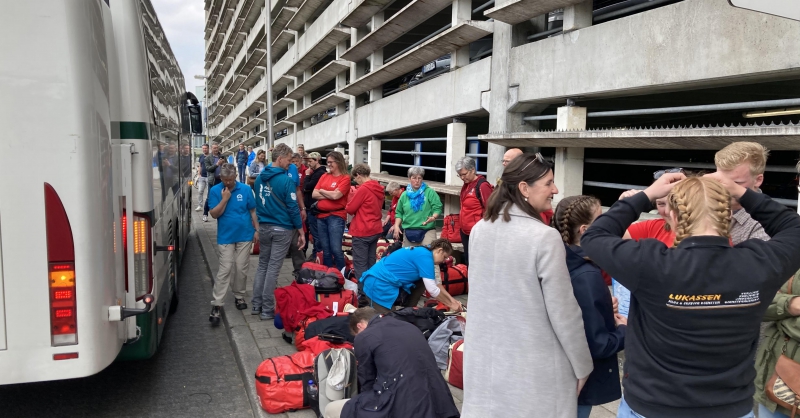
268, 38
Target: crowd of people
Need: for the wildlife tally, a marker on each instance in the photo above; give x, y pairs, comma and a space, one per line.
702, 277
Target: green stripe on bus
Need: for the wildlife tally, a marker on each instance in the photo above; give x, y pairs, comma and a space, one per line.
133, 130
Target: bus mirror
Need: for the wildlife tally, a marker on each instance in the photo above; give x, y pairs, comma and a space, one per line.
196, 119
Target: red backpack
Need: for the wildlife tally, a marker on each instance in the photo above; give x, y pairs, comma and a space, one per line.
451, 230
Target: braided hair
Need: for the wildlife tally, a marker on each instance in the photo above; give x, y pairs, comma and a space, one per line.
699, 203
571, 213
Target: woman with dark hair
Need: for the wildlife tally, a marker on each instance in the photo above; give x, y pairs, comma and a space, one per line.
605, 331
331, 196
410, 269
530, 364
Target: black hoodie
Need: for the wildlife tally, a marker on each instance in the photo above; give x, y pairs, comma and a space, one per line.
696, 309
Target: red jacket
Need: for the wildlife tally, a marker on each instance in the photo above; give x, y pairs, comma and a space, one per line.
367, 208
472, 208
291, 300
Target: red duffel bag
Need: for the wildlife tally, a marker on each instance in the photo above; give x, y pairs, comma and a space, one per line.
454, 374
281, 382
336, 301
300, 332
454, 279
451, 230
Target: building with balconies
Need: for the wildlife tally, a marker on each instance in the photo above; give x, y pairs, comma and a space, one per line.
612, 90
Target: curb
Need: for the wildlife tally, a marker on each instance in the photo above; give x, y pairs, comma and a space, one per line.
245, 350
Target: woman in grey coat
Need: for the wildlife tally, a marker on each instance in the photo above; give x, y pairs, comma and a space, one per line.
526, 353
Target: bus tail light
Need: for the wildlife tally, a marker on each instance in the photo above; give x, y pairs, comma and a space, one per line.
61, 271
142, 256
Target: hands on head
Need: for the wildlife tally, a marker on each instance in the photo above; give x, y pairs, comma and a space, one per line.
734, 189
661, 187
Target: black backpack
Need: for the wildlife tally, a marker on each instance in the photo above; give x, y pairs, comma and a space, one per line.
426, 319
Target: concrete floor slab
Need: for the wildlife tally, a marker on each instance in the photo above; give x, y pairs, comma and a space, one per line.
321, 105
324, 75
407, 18
447, 41
281, 19
363, 12
518, 11
320, 49
304, 12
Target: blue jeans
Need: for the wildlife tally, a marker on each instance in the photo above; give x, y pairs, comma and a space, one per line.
241, 173
273, 244
331, 230
584, 411
763, 412
625, 411
311, 221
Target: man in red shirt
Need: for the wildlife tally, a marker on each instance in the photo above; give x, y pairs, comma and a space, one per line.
474, 194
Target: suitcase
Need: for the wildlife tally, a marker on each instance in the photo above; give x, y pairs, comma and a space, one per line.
336, 301
282, 382
345, 389
454, 374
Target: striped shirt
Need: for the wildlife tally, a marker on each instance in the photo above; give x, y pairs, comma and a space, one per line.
743, 228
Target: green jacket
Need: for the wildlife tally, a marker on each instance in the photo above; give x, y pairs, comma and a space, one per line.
414, 220
769, 351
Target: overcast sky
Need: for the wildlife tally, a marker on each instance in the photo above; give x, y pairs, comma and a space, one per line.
183, 22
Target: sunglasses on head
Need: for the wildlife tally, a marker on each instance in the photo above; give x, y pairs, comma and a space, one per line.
539, 158
660, 173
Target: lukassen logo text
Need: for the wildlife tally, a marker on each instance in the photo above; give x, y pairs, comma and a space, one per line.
694, 298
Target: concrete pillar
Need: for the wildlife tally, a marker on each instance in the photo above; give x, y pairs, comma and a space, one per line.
452, 204
568, 172
578, 16
376, 59
341, 77
359, 154
571, 118
352, 132
306, 102
374, 155
462, 11
456, 148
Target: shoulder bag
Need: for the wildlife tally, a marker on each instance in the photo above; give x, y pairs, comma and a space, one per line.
784, 385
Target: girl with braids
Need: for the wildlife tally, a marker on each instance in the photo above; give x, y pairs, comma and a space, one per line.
695, 308
532, 363
605, 331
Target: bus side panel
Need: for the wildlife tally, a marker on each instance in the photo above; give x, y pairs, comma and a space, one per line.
55, 91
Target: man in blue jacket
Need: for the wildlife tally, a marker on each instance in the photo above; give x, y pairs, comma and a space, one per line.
241, 162
278, 218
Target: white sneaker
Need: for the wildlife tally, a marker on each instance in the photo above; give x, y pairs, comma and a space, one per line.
205, 218
198, 208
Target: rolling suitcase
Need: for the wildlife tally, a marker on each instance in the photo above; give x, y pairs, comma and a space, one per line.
336, 375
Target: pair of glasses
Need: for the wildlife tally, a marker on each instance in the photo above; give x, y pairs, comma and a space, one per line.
539, 158
660, 173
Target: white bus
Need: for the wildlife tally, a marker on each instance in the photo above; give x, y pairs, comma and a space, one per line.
94, 205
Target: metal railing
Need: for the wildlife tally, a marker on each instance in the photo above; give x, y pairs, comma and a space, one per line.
417, 152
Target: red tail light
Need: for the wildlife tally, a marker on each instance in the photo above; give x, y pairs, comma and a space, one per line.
61, 271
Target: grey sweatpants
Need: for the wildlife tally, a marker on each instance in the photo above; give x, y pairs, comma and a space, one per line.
273, 244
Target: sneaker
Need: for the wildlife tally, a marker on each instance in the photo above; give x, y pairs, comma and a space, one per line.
215, 315
266, 316
255, 311
205, 218
198, 208
241, 304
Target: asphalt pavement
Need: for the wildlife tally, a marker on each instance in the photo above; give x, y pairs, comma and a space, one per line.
193, 374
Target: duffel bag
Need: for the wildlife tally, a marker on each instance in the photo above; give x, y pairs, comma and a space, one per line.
335, 370
451, 229
300, 332
454, 374
255, 249
336, 301
455, 279
324, 279
282, 382
347, 242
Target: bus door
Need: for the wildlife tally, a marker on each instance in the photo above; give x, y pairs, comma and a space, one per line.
2, 297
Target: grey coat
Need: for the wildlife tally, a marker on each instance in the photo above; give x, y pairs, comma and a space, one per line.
526, 347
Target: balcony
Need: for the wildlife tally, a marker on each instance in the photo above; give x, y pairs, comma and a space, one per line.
324, 75
304, 12
280, 21
282, 82
282, 40
364, 11
517, 11
321, 105
404, 20
281, 104
320, 49
447, 41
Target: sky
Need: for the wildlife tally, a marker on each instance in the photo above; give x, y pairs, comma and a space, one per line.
183, 22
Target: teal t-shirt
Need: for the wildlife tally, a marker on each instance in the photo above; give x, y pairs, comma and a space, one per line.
235, 224
400, 270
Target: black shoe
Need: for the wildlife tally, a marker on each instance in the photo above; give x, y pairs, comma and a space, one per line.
241, 304
215, 315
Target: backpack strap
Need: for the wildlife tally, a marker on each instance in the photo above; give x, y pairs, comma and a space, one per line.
478, 191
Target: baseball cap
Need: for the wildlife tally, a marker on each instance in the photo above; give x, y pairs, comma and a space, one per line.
313, 156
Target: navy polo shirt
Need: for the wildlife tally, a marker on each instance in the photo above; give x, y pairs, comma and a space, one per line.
235, 224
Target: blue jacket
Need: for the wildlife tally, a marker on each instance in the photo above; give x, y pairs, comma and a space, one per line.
276, 199
241, 157
604, 337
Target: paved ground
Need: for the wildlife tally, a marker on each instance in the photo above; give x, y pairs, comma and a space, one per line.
267, 339
193, 374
